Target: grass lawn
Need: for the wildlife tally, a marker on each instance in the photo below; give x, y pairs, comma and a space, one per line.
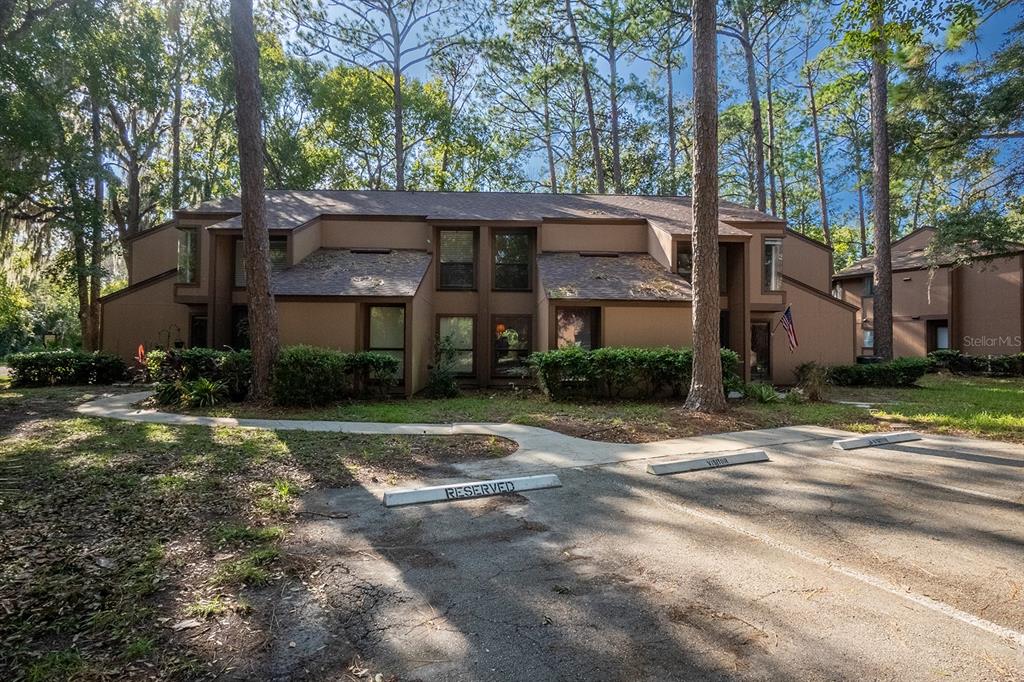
142, 550
977, 406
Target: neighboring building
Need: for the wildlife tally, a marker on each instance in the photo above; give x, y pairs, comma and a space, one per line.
977, 309
503, 274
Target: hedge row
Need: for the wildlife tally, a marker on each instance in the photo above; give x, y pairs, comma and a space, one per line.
996, 365
65, 368
307, 375
622, 372
898, 372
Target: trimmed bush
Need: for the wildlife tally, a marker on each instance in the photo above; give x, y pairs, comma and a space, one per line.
307, 375
65, 368
898, 372
995, 365
609, 373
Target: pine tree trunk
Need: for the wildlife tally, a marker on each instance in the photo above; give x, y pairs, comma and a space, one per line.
262, 312
96, 234
757, 124
673, 185
771, 126
819, 164
857, 160
706, 391
399, 132
613, 96
549, 144
880, 181
176, 110
588, 95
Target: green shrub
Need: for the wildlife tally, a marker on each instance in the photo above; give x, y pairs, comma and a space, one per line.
996, 365
231, 369
307, 375
898, 372
65, 367
621, 372
236, 373
202, 393
761, 392
441, 380
812, 380
373, 373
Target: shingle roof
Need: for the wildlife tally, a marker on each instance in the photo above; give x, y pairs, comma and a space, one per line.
909, 258
343, 272
287, 209
635, 277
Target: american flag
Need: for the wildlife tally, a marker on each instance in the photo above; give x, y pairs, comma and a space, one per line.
787, 324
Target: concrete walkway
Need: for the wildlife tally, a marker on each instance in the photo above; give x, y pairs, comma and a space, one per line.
539, 449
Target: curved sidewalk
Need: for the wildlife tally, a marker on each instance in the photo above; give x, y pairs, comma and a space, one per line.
538, 448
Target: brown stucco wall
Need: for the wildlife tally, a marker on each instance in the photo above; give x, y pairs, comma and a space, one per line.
392, 234
629, 238
991, 307
807, 263
646, 326
144, 316
919, 293
305, 242
661, 246
825, 329
153, 253
330, 324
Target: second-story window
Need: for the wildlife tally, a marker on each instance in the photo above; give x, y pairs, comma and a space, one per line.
772, 264
188, 255
869, 285
512, 260
278, 258
458, 259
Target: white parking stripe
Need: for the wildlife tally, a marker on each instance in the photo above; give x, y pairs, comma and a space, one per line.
874, 581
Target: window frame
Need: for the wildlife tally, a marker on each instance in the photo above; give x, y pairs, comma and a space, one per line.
766, 287
196, 255
439, 284
367, 336
865, 345
529, 234
236, 243
868, 288
473, 337
595, 324
492, 348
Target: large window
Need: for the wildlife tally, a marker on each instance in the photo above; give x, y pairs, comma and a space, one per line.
188, 254
511, 343
278, 258
512, 260
772, 264
869, 338
387, 333
684, 264
459, 331
458, 259
578, 327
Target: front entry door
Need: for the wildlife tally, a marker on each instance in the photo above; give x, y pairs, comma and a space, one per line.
761, 351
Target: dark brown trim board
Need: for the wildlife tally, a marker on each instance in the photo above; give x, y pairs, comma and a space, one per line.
138, 285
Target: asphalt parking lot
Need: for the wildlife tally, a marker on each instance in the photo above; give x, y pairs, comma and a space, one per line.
899, 562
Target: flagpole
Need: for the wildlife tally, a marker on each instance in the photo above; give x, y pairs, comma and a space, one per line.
780, 320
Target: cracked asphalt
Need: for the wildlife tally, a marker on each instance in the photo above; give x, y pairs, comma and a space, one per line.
902, 562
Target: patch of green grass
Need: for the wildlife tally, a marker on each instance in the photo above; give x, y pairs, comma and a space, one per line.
57, 665
250, 570
140, 648
235, 534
